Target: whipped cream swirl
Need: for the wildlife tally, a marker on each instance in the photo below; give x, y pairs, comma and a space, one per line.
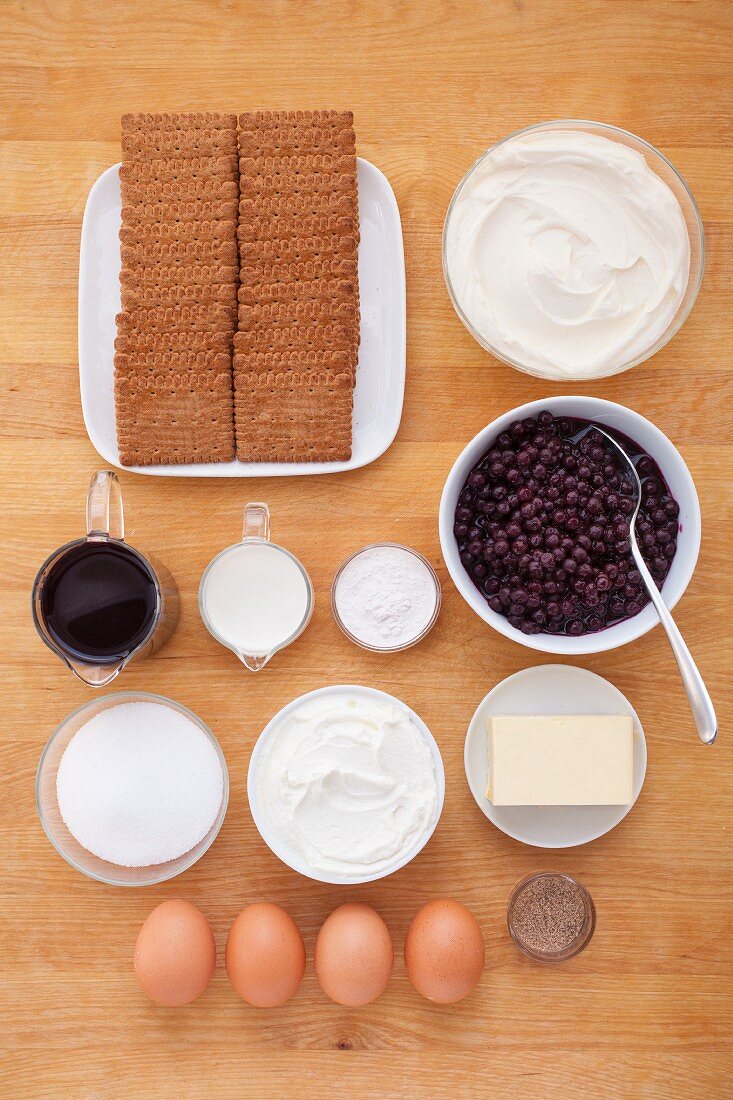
567, 253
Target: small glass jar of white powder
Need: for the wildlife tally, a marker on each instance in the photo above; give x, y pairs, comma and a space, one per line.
386, 597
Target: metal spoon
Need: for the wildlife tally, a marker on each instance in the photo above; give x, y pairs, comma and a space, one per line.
697, 694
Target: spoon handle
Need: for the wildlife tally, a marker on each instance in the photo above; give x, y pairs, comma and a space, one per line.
701, 704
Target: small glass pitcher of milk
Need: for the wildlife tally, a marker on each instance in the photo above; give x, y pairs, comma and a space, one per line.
255, 597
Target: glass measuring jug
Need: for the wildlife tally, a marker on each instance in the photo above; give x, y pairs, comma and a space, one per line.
255, 597
99, 603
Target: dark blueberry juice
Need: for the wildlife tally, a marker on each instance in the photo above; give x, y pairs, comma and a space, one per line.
542, 527
99, 602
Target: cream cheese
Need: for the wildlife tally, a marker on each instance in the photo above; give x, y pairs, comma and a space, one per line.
567, 253
348, 784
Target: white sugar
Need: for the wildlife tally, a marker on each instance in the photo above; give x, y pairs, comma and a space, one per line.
386, 596
139, 784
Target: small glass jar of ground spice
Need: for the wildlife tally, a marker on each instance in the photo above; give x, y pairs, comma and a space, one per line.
551, 917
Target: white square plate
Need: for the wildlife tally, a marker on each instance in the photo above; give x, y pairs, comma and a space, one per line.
380, 378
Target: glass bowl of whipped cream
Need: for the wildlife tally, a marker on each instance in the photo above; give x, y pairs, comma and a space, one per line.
346, 784
573, 250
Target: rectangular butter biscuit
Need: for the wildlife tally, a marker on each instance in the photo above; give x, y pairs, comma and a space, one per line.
300, 249
174, 418
173, 254
137, 342
330, 336
141, 274
335, 289
213, 317
172, 361
143, 235
284, 216
135, 296
289, 417
294, 360
284, 273
191, 210
179, 144
257, 228
158, 144
165, 192
144, 122
278, 120
179, 170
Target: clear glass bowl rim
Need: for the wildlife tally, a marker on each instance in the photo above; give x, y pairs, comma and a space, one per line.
134, 696
679, 319
423, 633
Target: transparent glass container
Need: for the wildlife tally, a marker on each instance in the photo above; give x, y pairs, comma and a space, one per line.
255, 532
667, 172
106, 529
578, 943
388, 648
67, 845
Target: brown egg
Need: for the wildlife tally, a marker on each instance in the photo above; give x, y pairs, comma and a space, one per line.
354, 955
265, 955
175, 954
444, 951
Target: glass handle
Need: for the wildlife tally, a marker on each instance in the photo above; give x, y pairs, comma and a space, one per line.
105, 516
256, 522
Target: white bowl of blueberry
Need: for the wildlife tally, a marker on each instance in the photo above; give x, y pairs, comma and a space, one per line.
534, 525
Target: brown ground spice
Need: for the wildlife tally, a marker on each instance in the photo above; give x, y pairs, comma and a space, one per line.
548, 914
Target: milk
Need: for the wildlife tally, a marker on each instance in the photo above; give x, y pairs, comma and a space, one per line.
255, 597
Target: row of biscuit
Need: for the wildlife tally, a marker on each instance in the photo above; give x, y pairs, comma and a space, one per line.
296, 348
179, 277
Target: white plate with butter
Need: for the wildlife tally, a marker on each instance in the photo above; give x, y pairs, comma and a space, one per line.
550, 690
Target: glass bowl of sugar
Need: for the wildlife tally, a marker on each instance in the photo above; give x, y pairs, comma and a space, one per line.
386, 597
132, 789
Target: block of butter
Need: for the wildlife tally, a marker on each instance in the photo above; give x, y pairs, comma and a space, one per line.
561, 760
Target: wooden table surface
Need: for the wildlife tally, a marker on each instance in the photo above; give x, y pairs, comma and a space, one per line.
647, 1010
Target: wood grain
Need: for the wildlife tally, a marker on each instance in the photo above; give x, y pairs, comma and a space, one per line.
647, 1011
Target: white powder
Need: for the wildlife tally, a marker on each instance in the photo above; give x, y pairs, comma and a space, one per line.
386, 596
139, 784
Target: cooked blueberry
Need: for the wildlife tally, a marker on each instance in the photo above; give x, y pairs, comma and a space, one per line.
542, 527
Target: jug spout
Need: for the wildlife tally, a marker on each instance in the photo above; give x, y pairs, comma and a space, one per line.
254, 664
94, 675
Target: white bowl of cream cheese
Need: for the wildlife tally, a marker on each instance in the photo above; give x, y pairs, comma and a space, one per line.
346, 784
573, 250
